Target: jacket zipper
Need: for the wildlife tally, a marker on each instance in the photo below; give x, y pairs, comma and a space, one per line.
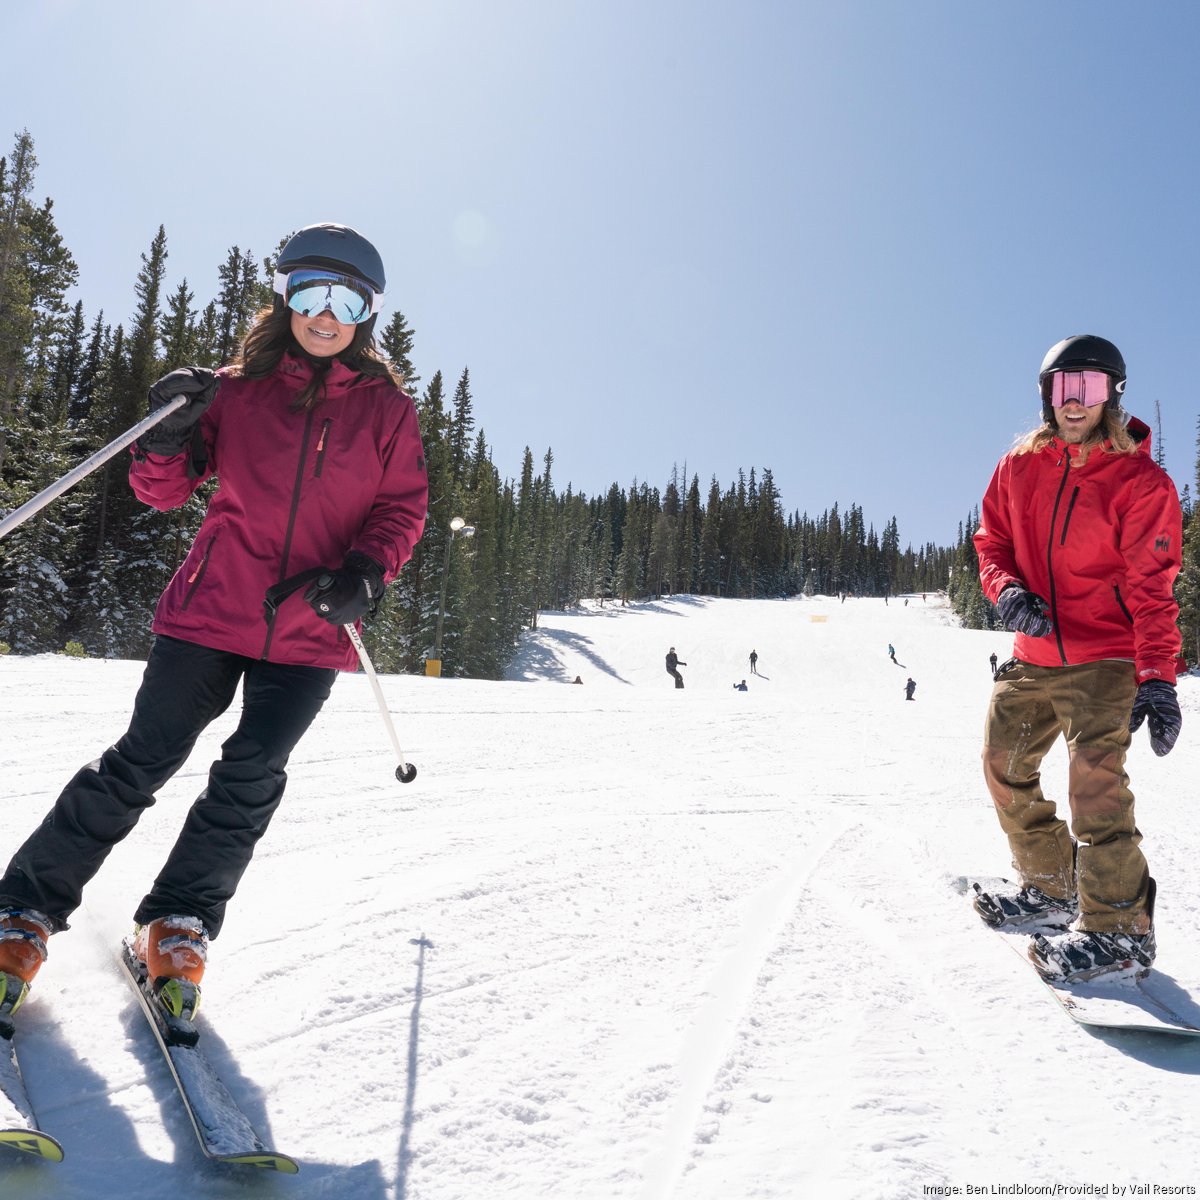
291, 524
196, 578
1050, 555
321, 446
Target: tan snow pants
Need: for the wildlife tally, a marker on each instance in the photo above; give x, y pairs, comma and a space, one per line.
1089, 705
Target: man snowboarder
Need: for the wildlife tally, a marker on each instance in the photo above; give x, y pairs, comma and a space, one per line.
992, 660
673, 665
1079, 546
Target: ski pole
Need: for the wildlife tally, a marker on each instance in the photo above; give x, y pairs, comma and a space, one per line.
405, 771
20, 515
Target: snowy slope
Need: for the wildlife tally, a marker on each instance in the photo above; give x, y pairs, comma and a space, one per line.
617, 941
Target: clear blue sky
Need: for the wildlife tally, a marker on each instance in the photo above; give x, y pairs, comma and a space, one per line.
832, 239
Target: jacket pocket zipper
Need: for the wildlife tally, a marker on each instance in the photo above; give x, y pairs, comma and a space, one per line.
1062, 541
321, 446
196, 578
1121, 604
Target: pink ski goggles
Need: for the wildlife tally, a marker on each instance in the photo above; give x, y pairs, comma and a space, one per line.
1088, 388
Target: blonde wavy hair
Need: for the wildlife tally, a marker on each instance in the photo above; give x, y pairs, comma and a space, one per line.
1111, 430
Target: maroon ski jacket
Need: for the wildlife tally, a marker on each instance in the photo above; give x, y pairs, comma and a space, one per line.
296, 490
1100, 542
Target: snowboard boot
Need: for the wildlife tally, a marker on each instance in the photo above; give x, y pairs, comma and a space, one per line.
1082, 954
174, 950
23, 934
1023, 907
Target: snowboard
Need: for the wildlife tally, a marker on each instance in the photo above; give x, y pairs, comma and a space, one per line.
1153, 1003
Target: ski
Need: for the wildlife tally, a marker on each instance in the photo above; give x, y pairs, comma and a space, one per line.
223, 1130
18, 1125
1147, 1003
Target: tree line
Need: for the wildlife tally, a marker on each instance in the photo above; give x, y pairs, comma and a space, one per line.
87, 570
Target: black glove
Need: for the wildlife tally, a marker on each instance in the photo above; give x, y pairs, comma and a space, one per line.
173, 433
1157, 700
341, 597
1023, 612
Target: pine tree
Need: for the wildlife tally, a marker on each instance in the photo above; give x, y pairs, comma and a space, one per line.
462, 428
16, 310
32, 587
396, 339
179, 329
236, 302
710, 543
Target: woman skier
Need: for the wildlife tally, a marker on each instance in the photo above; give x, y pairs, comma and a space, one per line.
321, 478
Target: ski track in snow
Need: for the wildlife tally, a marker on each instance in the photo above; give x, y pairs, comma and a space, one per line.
616, 942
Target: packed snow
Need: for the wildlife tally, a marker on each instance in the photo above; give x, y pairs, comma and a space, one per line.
617, 941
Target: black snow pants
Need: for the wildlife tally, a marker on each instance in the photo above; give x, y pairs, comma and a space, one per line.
185, 687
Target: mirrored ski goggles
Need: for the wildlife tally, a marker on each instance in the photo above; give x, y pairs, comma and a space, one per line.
310, 292
1088, 388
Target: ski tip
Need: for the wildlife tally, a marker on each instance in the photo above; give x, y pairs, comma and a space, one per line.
32, 1141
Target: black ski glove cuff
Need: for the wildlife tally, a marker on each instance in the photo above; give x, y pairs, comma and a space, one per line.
1021, 611
1157, 700
174, 432
351, 592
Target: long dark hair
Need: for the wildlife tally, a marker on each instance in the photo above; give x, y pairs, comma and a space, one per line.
269, 338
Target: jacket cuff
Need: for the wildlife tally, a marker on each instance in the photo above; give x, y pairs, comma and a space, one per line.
1157, 669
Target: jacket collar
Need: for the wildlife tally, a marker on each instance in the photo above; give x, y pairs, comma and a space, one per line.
297, 371
1137, 429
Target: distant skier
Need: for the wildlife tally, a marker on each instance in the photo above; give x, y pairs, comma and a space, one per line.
753, 663
909, 688
673, 665
993, 660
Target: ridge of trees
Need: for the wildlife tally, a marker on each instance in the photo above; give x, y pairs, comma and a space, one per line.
89, 567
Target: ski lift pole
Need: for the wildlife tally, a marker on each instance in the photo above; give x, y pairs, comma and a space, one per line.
405, 771
20, 515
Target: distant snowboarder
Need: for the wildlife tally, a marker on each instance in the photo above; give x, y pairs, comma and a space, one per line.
739, 687
909, 688
673, 665
992, 660
892, 653
753, 663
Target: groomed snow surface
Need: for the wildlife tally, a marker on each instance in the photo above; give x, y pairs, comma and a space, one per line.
616, 941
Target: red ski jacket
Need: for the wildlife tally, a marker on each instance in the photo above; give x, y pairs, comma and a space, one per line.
297, 490
1100, 542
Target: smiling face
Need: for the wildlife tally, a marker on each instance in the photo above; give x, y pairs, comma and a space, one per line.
1076, 424
321, 335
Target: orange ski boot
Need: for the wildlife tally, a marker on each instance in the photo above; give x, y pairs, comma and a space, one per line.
174, 950
23, 934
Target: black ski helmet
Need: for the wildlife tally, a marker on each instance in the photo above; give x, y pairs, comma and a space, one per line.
1083, 352
336, 248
